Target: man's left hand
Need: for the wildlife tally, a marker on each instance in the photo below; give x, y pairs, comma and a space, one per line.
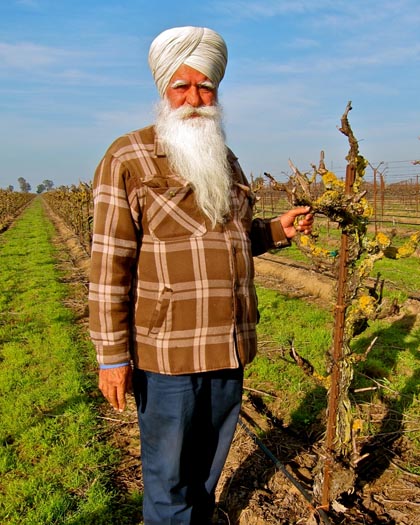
114, 384
304, 225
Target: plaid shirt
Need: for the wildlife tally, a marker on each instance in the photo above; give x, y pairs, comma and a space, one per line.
166, 289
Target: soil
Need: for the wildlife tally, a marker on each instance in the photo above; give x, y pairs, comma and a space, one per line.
270, 482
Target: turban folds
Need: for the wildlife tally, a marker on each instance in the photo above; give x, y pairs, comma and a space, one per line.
198, 47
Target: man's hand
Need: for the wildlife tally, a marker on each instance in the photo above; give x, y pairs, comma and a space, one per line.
304, 225
114, 383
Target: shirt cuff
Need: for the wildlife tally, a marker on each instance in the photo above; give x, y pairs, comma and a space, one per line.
280, 239
117, 365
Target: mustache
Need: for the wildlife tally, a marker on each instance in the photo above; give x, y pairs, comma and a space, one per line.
187, 111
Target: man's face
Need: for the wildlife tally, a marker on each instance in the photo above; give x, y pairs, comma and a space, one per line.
189, 86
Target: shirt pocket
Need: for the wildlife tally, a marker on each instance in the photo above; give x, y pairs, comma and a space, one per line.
161, 313
173, 215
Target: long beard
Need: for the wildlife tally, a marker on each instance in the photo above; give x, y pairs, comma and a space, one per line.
196, 151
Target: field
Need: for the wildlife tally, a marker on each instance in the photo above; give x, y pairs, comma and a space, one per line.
283, 409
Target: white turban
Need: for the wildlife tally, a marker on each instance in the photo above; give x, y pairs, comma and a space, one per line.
198, 47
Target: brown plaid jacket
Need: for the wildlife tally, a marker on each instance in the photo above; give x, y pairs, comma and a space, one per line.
166, 289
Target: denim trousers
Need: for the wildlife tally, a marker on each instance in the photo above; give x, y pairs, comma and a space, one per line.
187, 424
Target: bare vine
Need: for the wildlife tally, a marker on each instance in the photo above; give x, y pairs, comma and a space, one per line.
344, 203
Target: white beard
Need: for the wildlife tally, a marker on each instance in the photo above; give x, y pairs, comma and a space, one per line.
196, 151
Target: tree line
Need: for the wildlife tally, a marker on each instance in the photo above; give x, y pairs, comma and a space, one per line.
25, 186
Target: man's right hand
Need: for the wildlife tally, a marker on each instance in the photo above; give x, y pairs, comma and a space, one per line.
115, 383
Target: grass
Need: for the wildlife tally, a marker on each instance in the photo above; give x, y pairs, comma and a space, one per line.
393, 365
401, 273
284, 319
401, 276
391, 371
55, 467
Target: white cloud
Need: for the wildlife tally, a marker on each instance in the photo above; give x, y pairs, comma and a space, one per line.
28, 3
344, 59
325, 13
27, 55
116, 121
54, 66
272, 8
303, 43
90, 78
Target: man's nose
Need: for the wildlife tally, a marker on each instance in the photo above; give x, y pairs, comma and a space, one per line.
193, 97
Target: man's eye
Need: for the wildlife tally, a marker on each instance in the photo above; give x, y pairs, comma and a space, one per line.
179, 86
206, 88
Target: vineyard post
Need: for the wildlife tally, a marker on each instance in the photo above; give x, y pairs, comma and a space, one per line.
374, 199
263, 204
375, 193
337, 351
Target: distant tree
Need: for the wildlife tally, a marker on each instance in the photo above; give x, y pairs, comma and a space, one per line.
48, 184
25, 187
22, 183
10, 187
40, 188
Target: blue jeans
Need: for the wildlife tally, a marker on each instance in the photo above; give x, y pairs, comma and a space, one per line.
187, 425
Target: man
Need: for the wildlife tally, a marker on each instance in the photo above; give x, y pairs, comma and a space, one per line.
171, 294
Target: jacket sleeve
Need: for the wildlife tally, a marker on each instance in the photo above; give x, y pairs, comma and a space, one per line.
113, 256
267, 234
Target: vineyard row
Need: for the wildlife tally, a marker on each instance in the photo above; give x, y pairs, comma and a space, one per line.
74, 204
11, 204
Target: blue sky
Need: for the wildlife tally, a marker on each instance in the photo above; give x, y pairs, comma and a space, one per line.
74, 76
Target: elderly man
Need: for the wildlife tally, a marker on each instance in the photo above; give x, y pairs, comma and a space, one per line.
172, 299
